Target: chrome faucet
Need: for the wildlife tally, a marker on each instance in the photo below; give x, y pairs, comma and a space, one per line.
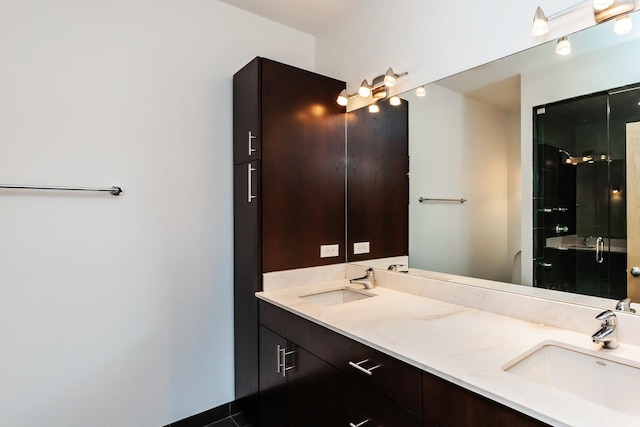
401, 268
368, 280
608, 333
625, 305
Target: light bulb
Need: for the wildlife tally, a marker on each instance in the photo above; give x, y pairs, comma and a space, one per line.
390, 78
343, 98
373, 108
563, 47
395, 100
622, 25
364, 90
421, 91
540, 24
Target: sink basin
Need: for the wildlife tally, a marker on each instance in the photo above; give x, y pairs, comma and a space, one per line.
336, 296
605, 381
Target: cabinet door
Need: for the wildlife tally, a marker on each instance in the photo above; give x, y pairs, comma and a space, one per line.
246, 113
303, 163
315, 392
273, 382
247, 277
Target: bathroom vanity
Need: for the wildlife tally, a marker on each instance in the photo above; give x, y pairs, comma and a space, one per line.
402, 357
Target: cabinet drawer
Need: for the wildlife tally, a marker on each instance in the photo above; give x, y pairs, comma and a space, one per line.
368, 408
391, 377
446, 404
308, 335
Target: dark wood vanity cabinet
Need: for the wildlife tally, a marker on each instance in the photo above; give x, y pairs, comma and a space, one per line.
321, 387
289, 191
446, 404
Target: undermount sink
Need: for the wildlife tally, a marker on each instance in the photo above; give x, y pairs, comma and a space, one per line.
582, 373
336, 296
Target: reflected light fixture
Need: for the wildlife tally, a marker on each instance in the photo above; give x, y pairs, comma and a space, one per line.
378, 89
563, 47
623, 25
603, 10
421, 91
395, 100
365, 89
373, 108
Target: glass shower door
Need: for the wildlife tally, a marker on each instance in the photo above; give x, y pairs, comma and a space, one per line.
572, 218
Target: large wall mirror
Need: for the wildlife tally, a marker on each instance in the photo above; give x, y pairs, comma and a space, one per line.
471, 138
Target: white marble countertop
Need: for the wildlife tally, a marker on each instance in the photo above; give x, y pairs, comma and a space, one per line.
463, 345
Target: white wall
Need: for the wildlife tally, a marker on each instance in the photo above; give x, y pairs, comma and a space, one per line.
458, 149
118, 311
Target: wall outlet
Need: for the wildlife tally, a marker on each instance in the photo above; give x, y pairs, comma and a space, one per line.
361, 248
328, 251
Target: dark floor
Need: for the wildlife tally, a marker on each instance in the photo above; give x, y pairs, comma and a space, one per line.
237, 420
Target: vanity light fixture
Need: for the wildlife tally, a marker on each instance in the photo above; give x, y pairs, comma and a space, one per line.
378, 89
395, 100
373, 108
623, 25
421, 91
343, 98
540, 24
603, 10
365, 89
563, 47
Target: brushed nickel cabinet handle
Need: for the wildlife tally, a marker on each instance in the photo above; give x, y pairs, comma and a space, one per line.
251, 149
359, 367
250, 196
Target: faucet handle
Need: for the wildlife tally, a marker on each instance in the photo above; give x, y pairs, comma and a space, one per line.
608, 317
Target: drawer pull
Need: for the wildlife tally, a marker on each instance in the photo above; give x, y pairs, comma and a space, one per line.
359, 424
282, 360
359, 367
251, 149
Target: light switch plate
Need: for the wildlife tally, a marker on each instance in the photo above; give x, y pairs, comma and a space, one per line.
329, 251
361, 248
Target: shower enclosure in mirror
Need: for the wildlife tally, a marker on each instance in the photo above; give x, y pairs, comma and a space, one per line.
580, 188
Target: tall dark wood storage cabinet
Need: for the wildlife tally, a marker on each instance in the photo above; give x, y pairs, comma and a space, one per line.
289, 187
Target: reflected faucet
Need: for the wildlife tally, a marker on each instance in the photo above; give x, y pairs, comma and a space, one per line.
368, 280
608, 333
625, 305
400, 268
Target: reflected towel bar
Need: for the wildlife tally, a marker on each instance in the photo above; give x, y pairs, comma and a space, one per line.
116, 191
424, 199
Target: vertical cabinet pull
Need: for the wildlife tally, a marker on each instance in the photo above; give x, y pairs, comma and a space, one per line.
251, 138
358, 366
250, 196
282, 367
359, 424
600, 250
